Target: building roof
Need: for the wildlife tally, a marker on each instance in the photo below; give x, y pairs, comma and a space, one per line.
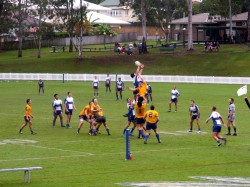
110, 3
240, 17
197, 19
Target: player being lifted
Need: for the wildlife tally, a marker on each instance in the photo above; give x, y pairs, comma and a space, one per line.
57, 110
27, 117
119, 88
86, 115
137, 76
69, 107
131, 116
174, 98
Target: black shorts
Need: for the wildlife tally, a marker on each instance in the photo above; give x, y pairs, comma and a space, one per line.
101, 119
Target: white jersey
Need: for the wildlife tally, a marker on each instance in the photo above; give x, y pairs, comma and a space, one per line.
231, 108
57, 104
174, 94
95, 83
119, 84
69, 102
108, 80
215, 116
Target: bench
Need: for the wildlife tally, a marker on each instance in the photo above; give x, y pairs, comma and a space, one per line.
164, 48
25, 170
56, 49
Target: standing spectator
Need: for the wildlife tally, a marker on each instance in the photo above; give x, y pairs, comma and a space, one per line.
108, 83
96, 86
231, 117
217, 120
194, 115
174, 98
40, 86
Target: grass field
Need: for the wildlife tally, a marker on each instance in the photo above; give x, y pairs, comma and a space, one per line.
231, 60
73, 160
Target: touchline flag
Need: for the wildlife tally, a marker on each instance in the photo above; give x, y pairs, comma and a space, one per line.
242, 90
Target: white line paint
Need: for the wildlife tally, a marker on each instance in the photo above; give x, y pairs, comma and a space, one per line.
172, 133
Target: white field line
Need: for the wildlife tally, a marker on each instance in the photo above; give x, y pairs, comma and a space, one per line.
93, 154
172, 133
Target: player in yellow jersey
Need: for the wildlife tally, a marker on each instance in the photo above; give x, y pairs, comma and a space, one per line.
95, 109
27, 117
151, 117
141, 90
101, 119
85, 114
140, 108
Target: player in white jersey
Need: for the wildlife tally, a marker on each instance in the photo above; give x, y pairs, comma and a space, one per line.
119, 88
194, 115
218, 122
69, 106
174, 98
95, 86
108, 83
57, 110
231, 117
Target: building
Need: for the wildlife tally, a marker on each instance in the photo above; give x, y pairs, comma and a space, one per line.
206, 27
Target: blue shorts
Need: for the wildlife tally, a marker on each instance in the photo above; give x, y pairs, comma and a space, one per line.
58, 112
216, 128
140, 121
84, 117
195, 116
175, 100
101, 119
70, 112
150, 126
119, 89
131, 118
95, 87
27, 119
135, 92
107, 85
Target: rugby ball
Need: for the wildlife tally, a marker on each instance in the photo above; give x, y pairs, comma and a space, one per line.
137, 63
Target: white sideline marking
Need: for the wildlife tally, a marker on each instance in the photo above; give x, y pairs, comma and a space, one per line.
57, 149
214, 181
194, 132
172, 133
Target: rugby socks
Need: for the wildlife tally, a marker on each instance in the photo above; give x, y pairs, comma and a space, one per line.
132, 130
158, 137
54, 124
94, 132
229, 130
116, 96
218, 141
121, 97
146, 138
140, 134
124, 130
78, 130
108, 131
234, 129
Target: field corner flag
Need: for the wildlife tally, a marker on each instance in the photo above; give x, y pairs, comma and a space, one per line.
242, 90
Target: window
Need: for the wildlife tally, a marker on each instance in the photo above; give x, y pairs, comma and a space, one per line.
177, 27
126, 12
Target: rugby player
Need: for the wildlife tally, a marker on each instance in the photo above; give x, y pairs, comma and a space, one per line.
140, 108
231, 117
217, 123
27, 117
40, 86
108, 83
131, 116
96, 86
174, 98
152, 118
57, 110
119, 88
86, 115
194, 115
69, 106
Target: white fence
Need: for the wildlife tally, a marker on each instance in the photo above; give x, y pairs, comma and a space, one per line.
148, 78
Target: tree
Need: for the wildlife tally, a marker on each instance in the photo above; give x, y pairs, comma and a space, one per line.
5, 17
39, 10
190, 26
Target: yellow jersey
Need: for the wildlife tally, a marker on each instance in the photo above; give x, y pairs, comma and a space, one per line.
151, 116
28, 111
140, 111
100, 113
142, 89
95, 107
86, 108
